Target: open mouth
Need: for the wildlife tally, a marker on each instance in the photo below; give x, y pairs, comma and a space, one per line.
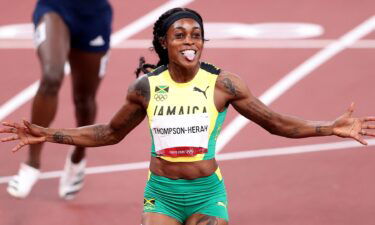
189, 54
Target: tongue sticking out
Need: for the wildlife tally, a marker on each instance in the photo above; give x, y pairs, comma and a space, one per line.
189, 54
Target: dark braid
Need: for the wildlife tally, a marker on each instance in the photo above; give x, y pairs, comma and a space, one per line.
158, 37
144, 67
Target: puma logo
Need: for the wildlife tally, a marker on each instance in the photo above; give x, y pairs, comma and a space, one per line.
203, 92
222, 204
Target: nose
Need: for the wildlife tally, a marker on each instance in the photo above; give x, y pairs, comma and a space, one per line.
188, 40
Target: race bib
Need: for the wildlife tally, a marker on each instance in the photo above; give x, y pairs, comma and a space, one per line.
180, 135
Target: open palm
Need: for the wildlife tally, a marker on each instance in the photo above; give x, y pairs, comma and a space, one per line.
27, 134
348, 126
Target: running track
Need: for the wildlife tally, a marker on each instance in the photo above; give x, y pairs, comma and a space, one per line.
332, 187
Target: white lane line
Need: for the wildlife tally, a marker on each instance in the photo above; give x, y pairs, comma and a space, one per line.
293, 150
257, 44
145, 21
283, 44
24, 96
21, 98
296, 75
221, 157
223, 44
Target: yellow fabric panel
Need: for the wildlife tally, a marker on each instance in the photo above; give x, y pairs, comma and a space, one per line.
218, 173
183, 96
198, 157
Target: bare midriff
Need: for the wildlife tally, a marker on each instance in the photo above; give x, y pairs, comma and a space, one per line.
182, 170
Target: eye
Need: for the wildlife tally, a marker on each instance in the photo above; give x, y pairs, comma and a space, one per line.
179, 35
197, 35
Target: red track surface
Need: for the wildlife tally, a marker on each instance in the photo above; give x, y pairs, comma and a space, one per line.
325, 188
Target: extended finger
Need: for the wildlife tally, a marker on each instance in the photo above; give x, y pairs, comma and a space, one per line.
368, 126
10, 138
14, 125
17, 147
8, 130
26, 123
350, 109
9, 124
369, 118
360, 139
367, 133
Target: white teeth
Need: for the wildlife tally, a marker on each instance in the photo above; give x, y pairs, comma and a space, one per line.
189, 54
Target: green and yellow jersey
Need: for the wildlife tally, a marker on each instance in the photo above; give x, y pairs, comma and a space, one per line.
184, 122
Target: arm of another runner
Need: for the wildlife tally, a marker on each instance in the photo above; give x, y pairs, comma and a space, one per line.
126, 119
239, 96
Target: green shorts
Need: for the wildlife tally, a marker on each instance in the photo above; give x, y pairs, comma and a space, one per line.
180, 198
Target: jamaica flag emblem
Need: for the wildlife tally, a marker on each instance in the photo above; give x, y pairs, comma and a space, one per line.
162, 89
161, 92
149, 204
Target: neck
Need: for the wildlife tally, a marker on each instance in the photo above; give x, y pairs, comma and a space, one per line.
182, 74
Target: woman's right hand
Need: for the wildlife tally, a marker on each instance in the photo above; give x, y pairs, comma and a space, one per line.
26, 133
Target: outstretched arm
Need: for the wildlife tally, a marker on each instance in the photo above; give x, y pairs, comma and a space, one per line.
126, 119
239, 96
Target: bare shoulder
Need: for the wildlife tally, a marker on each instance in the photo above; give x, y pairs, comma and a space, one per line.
139, 90
231, 84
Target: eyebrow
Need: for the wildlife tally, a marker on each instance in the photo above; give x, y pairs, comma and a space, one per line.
180, 27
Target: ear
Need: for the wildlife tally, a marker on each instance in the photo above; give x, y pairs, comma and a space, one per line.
163, 42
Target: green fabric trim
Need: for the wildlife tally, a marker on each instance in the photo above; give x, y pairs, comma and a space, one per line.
214, 135
153, 152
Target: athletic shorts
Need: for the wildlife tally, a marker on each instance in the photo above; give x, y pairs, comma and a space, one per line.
89, 24
180, 198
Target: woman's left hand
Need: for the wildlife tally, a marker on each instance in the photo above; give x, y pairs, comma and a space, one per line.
348, 126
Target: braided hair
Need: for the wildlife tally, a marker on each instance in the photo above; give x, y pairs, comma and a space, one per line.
160, 34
